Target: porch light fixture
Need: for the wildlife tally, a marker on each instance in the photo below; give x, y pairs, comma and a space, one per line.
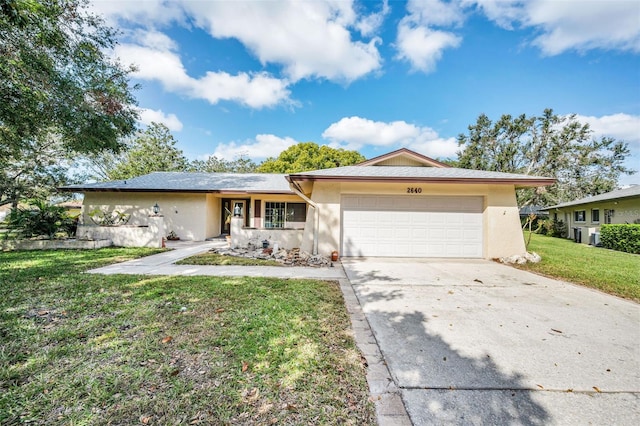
237, 210
156, 209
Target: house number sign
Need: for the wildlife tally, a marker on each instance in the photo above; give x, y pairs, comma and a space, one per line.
414, 190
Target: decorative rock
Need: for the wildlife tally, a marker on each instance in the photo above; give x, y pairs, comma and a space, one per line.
521, 259
293, 257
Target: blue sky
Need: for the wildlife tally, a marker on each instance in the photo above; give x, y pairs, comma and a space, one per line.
252, 78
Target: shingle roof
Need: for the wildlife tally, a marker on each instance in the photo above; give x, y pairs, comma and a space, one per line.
420, 173
192, 182
632, 191
277, 183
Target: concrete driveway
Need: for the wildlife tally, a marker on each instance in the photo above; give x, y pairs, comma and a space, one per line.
476, 342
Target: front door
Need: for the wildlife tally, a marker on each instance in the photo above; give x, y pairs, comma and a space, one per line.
229, 209
227, 213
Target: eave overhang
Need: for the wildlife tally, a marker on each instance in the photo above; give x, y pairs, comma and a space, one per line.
519, 183
182, 191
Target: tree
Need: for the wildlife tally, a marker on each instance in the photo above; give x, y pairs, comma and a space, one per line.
55, 77
150, 151
307, 156
35, 171
214, 164
550, 145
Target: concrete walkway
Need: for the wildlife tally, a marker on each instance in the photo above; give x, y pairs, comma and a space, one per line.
164, 264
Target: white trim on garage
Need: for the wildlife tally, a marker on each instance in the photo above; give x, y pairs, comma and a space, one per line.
412, 226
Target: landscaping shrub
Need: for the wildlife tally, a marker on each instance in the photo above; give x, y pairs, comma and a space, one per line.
41, 219
552, 228
624, 237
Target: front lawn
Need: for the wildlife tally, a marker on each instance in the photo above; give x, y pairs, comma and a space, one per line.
611, 271
94, 349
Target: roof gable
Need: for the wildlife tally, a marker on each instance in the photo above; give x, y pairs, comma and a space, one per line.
403, 157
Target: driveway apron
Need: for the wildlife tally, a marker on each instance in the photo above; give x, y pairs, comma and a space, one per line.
476, 342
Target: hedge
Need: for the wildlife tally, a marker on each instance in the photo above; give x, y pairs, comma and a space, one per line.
621, 237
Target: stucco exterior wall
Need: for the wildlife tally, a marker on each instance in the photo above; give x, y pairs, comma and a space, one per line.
185, 214
503, 234
284, 238
501, 220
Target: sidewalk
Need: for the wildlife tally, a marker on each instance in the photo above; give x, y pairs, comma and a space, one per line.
164, 264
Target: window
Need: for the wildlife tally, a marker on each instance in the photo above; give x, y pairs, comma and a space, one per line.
608, 215
279, 215
595, 215
274, 215
579, 215
296, 212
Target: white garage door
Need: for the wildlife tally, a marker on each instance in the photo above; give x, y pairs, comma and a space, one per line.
411, 226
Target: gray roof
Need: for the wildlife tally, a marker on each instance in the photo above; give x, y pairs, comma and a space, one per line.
408, 172
632, 191
192, 182
277, 183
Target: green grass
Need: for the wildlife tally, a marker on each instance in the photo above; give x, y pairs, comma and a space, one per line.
221, 259
610, 271
92, 349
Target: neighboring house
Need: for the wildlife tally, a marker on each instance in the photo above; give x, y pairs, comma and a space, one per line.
585, 216
539, 211
401, 204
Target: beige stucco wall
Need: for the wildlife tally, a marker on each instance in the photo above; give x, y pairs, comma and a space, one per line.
188, 215
625, 211
191, 216
284, 238
501, 220
150, 235
502, 232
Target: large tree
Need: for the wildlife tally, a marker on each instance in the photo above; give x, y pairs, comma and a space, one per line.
548, 145
58, 86
214, 164
35, 172
307, 156
151, 150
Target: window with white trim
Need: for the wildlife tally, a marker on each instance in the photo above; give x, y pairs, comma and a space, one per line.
283, 215
595, 215
579, 215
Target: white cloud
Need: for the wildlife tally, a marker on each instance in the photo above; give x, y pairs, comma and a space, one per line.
570, 25
263, 146
503, 12
149, 12
370, 24
619, 126
418, 42
147, 116
624, 127
356, 132
309, 39
435, 12
156, 59
423, 47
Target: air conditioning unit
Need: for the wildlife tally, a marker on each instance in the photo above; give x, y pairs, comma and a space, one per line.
594, 239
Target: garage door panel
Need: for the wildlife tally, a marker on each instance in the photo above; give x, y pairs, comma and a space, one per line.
412, 226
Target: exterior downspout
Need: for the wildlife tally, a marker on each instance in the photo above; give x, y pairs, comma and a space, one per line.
316, 218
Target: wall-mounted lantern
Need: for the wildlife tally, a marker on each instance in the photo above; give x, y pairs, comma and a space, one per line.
237, 210
156, 209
